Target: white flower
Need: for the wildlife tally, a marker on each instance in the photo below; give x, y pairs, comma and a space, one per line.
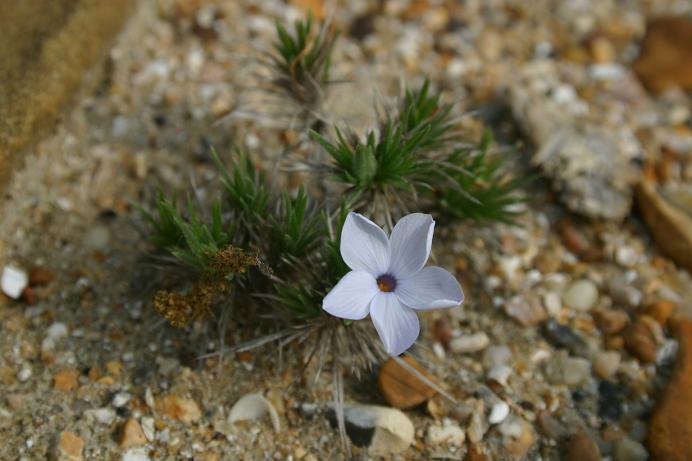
388, 280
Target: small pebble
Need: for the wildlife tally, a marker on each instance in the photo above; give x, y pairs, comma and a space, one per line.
611, 321
610, 398
581, 295
449, 434
606, 364
252, 407
148, 428
552, 303
518, 436
24, 373
13, 281
180, 408
500, 374
496, 355
582, 447
570, 371
627, 449
136, 454
640, 340
102, 415
120, 399
551, 427
132, 435
525, 312
478, 425
498, 413
563, 337
469, 343
69, 447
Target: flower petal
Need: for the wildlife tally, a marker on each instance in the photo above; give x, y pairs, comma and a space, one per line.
410, 244
396, 324
431, 288
364, 245
350, 298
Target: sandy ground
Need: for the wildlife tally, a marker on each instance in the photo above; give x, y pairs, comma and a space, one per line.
70, 211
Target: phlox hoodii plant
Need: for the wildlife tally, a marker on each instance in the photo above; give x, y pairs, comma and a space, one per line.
308, 265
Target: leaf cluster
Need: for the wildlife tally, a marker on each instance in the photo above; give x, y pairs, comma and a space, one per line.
418, 151
302, 59
187, 238
295, 241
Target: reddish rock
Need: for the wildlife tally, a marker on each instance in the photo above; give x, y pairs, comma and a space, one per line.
665, 60
69, 447
475, 453
180, 408
661, 310
640, 341
39, 275
66, 380
132, 435
670, 430
671, 227
582, 447
402, 388
611, 321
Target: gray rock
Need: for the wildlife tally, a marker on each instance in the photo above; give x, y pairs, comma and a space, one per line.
563, 337
570, 371
590, 160
496, 355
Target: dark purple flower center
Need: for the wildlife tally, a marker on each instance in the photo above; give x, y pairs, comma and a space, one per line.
386, 283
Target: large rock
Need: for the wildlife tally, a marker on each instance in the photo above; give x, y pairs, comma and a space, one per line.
669, 223
590, 161
670, 429
665, 60
400, 387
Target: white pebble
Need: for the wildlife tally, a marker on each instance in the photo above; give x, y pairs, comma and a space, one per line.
136, 454
14, 280
450, 434
552, 303
102, 415
581, 295
469, 343
120, 399
626, 256
148, 428
24, 374
498, 413
606, 364
56, 331
496, 355
500, 374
